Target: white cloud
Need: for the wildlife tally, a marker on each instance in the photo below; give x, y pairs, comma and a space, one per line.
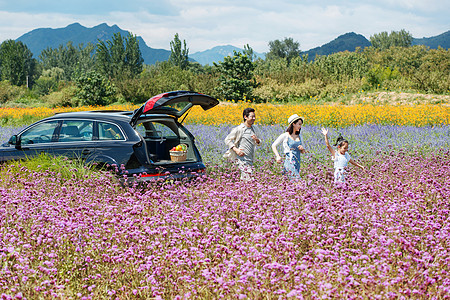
208, 23
418, 5
13, 24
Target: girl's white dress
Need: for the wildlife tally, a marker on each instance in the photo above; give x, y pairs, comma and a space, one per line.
340, 163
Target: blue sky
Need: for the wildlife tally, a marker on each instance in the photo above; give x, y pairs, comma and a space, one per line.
208, 23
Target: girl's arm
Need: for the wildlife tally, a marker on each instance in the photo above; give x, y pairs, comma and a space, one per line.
356, 164
325, 133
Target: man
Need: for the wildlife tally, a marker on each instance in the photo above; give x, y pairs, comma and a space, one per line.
242, 142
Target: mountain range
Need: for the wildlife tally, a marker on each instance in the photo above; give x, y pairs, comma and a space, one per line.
217, 54
42, 38
346, 42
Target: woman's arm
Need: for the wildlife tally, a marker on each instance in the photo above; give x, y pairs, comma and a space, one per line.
301, 148
257, 136
325, 133
275, 144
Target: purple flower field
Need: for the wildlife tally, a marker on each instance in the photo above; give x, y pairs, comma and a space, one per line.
366, 141
385, 234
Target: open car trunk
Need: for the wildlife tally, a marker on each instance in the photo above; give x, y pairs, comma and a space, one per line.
157, 122
161, 135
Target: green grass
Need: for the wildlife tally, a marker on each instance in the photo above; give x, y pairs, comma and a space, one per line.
58, 165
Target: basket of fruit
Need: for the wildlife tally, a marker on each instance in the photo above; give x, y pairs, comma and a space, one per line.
178, 153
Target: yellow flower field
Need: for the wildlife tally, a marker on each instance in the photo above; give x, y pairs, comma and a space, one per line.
328, 115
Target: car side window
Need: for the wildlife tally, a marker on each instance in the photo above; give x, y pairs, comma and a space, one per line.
41, 133
109, 131
76, 131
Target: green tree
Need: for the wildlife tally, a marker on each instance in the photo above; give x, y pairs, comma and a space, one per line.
17, 64
383, 40
117, 55
120, 57
236, 80
48, 81
287, 49
133, 56
249, 52
179, 56
94, 89
69, 58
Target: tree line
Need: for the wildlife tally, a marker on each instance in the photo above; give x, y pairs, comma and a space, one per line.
114, 71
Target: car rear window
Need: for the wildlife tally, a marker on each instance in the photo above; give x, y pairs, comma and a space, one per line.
158, 129
109, 131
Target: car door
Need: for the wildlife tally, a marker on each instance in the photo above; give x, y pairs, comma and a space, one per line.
33, 140
75, 139
112, 145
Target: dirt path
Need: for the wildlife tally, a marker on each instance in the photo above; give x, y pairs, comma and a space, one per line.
397, 98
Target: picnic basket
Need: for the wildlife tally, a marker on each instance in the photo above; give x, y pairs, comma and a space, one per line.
178, 156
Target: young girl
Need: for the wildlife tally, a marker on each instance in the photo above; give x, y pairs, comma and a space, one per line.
340, 157
292, 147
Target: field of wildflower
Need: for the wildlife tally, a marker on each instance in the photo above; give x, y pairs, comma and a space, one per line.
385, 234
272, 114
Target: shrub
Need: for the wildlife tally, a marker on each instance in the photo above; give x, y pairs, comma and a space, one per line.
377, 75
272, 90
159, 78
62, 98
44, 85
9, 92
342, 65
342, 88
267, 90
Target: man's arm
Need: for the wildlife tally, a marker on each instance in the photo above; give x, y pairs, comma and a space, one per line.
230, 140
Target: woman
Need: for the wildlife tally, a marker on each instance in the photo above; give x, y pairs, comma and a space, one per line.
292, 147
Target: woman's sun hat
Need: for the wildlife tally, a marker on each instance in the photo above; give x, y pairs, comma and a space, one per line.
294, 118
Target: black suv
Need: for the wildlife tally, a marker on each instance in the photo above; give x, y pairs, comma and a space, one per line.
136, 142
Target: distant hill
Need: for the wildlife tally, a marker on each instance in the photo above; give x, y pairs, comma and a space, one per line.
42, 38
39, 39
216, 54
442, 40
346, 42
350, 41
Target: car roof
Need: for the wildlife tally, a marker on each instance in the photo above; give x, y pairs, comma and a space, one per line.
119, 115
93, 114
